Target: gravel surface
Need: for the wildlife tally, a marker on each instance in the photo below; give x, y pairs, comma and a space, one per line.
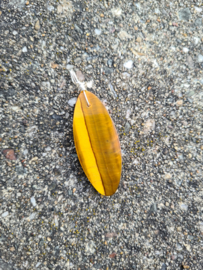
144, 60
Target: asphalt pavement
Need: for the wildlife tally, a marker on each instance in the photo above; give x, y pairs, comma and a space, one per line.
144, 60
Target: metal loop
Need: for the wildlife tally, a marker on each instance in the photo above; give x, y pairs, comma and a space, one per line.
79, 83
86, 98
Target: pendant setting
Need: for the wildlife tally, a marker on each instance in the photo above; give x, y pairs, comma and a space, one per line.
96, 141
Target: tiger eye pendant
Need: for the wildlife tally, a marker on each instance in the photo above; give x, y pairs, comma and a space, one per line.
97, 143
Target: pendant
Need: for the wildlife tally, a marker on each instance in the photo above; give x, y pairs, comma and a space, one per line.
96, 141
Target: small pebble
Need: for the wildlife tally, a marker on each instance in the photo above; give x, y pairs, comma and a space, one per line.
37, 25
183, 206
124, 35
72, 101
190, 62
201, 226
167, 176
185, 266
198, 9
89, 84
38, 264
148, 126
164, 267
50, 8
110, 235
9, 154
32, 216
128, 113
127, 127
80, 75
59, 9
33, 201
198, 22
196, 40
24, 49
184, 14
53, 65
112, 255
179, 102
5, 214
179, 229
128, 64
112, 90
69, 67
139, 39
125, 75
185, 50
97, 32
116, 12
200, 58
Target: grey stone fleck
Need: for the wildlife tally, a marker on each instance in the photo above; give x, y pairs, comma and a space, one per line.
183, 206
50, 8
190, 62
124, 35
112, 90
32, 216
200, 58
116, 11
17, 3
80, 75
127, 127
5, 214
97, 32
20, 170
153, 208
24, 49
198, 22
201, 226
6, 266
128, 64
179, 247
198, 9
38, 264
72, 101
110, 62
37, 25
69, 66
33, 201
164, 267
78, 29
148, 126
184, 14
90, 247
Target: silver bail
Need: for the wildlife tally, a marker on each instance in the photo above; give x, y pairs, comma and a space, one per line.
79, 83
